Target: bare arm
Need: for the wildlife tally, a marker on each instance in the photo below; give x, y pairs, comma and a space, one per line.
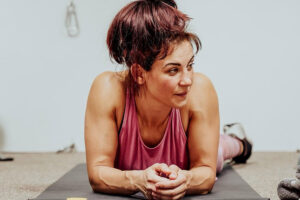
203, 136
101, 138
101, 141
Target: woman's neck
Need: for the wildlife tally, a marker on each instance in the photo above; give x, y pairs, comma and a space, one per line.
151, 113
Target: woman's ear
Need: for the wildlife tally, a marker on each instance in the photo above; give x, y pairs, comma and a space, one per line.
138, 73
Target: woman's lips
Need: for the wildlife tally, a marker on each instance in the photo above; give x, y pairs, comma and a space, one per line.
182, 94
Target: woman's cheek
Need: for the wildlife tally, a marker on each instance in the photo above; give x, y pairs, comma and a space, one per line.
168, 86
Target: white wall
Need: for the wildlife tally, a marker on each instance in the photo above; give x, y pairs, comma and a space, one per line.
250, 52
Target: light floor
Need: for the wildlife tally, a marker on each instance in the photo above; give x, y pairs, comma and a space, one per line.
31, 173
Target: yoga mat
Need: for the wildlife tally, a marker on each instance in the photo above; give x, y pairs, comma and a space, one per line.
229, 186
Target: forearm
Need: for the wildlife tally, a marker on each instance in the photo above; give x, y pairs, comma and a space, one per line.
200, 180
114, 181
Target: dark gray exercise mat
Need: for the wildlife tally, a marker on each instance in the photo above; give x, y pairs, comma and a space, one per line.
75, 184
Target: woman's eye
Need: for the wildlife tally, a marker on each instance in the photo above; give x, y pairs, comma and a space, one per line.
190, 66
173, 71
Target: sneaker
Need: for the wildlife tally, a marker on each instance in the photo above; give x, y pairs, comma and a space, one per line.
236, 130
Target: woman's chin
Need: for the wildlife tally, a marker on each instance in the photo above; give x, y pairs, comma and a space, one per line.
179, 104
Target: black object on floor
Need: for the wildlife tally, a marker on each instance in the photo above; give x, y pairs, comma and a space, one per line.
6, 159
75, 184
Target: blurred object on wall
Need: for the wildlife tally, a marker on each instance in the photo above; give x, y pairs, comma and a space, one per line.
71, 21
68, 149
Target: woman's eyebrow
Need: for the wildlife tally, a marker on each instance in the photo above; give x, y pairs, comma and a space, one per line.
176, 63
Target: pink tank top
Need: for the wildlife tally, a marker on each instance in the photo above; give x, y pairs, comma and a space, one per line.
133, 154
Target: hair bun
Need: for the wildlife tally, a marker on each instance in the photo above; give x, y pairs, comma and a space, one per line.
169, 2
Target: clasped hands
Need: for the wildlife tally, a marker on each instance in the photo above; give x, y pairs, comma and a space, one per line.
164, 182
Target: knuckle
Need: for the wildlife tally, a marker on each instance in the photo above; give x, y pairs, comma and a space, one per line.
149, 177
164, 166
155, 165
148, 187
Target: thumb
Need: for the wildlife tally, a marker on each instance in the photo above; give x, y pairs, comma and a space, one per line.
174, 172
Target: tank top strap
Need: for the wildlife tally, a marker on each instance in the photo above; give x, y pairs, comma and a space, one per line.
178, 120
129, 111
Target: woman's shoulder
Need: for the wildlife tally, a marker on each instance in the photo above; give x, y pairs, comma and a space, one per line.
201, 81
112, 82
203, 95
110, 86
111, 79
202, 99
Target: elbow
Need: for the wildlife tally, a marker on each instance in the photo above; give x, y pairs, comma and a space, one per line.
96, 182
209, 183
205, 186
97, 186
209, 187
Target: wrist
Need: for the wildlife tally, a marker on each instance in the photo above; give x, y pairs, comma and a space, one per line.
188, 175
133, 177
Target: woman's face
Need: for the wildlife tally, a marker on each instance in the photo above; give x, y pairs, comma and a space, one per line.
171, 78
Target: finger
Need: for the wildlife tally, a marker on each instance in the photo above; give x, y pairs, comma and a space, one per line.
179, 196
174, 171
156, 178
171, 192
146, 192
169, 184
153, 177
173, 176
164, 197
174, 167
150, 187
163, 170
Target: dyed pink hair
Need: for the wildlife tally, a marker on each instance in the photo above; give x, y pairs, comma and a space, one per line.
143, 31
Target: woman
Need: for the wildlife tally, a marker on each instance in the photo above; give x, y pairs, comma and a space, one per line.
154, 127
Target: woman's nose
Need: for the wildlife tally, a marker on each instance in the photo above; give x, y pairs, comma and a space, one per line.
186, 79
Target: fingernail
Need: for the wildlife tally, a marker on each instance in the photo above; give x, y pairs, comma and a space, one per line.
173, 175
